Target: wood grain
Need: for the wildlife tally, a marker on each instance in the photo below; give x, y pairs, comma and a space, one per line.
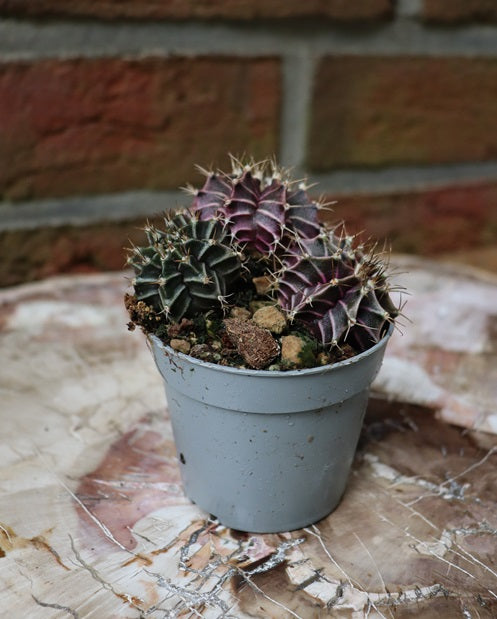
94, 523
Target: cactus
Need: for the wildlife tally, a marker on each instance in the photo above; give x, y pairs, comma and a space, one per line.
337, 291
260, 206
257, 220
188, 267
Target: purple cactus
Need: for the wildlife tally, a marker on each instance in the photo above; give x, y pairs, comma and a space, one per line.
339, 293
261, 209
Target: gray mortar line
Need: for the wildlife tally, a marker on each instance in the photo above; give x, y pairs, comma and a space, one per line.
298, 74
63, 39
404, 178
133, 205
408, 8
86, 210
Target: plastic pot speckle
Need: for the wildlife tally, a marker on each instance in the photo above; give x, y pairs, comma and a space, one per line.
265, 451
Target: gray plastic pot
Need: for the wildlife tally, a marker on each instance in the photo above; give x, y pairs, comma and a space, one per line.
266, 451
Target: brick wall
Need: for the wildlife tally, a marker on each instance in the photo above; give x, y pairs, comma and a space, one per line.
105, 107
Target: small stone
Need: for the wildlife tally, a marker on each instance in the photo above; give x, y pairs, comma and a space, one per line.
297, 351
200, 351
240, 312
256, 345
180, 345
258, 303
270, 317
323, 359
291, 349
262, 284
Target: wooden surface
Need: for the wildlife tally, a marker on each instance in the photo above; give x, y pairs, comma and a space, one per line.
93, 521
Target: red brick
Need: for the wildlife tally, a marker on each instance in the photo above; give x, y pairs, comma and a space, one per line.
460, 10
203, 9
27, 255
428, 222
104, 125
381, 110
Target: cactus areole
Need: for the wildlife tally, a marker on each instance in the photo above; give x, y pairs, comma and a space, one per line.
250, 228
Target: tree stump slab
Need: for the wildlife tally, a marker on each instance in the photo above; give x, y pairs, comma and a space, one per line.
94, 522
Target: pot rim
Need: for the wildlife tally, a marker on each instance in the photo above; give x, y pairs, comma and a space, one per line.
151, 338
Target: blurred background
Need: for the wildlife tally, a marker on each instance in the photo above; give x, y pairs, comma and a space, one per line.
107, 105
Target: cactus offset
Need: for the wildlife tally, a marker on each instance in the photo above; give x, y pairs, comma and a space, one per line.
337, 291
259, 205
188, 267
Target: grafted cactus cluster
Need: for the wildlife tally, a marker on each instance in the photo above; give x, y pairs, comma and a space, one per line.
203, 257
188, 267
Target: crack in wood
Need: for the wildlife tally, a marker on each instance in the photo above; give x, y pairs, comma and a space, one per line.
67, 609
125, 597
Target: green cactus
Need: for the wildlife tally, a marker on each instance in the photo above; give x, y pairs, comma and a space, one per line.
188, 267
